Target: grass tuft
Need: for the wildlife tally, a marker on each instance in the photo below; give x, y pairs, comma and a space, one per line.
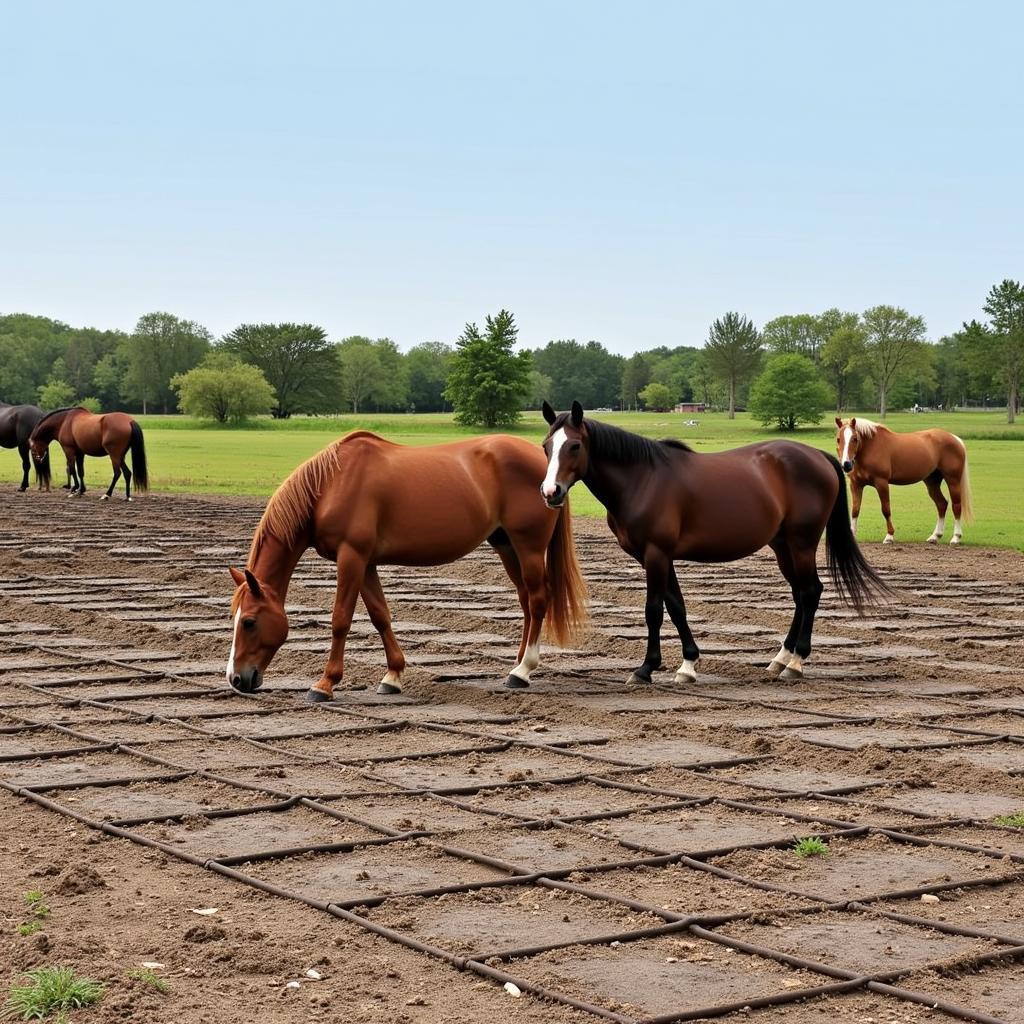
49, 989
29, 927
1013, 820
34, 898
150, 979
812, 846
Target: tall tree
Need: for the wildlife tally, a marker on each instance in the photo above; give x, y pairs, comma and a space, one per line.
894, 343
1005, 307
789, 392
589, 373
842, 361
362, 374
428, 365
161, 346
733, 352
297, 361
636, 375
488, 381
801, 334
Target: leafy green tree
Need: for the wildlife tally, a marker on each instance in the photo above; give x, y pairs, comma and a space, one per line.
675, 369
1005, 307
161, 347
842, 361
733, 353
428, 365
488, 381
589, 373
29, 346
802, 334
297, 361
107, 375
373, 372
223, 388
636, 375
789, 392
894, 343
539, 389
56, 394
657, 397
979, 351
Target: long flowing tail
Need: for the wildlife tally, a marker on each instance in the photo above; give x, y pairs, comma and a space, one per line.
567, 592
140, 475
966, 508
854, 579
43, 470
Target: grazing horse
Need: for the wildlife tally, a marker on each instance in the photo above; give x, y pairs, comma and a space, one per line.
16, 425
80, 433
363, 502
873, 455
667, 502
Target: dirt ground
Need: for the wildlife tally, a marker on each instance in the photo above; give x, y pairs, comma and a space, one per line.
611, 851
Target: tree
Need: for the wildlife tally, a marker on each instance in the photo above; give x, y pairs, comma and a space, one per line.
657, 397
223, 388
802, 334
361, 371
539, 389
733, 352
488, 381
636, 375
56, 394
29, 346
428, 365
894, 342
789, 392
161, 347
589, 373
1005, 307
843, 357
297, 361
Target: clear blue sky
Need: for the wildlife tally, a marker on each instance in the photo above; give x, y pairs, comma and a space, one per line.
624, 172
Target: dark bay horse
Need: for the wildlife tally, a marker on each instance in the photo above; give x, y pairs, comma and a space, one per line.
16, 425
875, 456
80, 433
363, 502
667, 502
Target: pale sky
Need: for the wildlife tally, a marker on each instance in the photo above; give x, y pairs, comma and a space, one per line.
624, 172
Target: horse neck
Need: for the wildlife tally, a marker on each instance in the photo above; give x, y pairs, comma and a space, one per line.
50, 427
274, 563
610, 483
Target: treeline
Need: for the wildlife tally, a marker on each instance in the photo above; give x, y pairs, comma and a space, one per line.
880, 359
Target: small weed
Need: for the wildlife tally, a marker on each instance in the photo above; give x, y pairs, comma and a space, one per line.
149, 979
812, 846
49, 989
29, 927
1013, 820
34, 898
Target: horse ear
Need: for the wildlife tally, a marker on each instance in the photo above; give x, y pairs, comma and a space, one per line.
254, 584
549, 414
839, 423
237, 575
853, 423
576, 415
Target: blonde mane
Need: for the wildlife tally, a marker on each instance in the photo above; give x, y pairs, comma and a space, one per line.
291, 505
868, 428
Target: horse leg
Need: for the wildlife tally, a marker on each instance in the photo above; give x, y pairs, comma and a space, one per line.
656, 565
882, 486
372, 594
781, 661
510, 560
956, 497
116, 463
23, 452
127, 479
934, 485
856, 495
534, 585
80, 459
351, 569
677, 613
809, 588
72, 474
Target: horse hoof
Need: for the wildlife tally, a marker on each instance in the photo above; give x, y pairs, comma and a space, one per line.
774, 668
636, 679
685, 678
388, 689
955, 540
104, 497
932, 540
888, 539
315, 696
514, 682
789, 673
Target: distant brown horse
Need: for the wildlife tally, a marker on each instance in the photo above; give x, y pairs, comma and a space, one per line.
80, 433
667, 502
363, 502
875, 456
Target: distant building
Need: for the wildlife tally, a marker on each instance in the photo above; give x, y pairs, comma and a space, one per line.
690, 407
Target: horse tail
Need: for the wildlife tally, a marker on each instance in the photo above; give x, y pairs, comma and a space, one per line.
966, 509
855, 581
567, 591
140, 475
43, 469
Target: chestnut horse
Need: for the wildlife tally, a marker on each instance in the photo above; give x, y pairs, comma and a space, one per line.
667, 502
80, 433
363, 502
16, 425
875, 456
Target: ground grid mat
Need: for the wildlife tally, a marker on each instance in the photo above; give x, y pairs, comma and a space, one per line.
624, 850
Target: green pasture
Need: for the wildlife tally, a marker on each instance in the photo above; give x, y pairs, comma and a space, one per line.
191, 456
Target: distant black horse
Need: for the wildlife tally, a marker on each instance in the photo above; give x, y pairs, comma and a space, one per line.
16, 425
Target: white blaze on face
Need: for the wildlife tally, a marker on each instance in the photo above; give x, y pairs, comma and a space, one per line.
847, 437
234, 637
550, 483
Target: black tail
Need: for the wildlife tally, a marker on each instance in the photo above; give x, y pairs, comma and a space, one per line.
856, 582
140, 476
43, 469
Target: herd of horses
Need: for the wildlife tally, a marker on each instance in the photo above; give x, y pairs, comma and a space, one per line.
364, 501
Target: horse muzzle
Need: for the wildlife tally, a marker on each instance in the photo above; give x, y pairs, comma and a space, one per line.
249, 680
848, 466
556, 498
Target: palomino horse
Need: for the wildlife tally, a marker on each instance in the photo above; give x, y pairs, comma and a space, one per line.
667, 502
16, 425
875, 456
80, 433
364, 502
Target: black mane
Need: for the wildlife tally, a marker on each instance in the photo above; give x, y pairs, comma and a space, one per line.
623, 446
67, 408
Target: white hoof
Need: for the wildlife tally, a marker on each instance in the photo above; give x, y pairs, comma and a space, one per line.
104, 497
687, 672
955, 540
889, 538
774, 668
933, 539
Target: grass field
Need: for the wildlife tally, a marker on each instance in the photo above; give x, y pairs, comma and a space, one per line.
186, 455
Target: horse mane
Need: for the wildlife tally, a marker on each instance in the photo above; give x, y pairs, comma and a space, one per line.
868, 428
57, 412
291, 505
623, 446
